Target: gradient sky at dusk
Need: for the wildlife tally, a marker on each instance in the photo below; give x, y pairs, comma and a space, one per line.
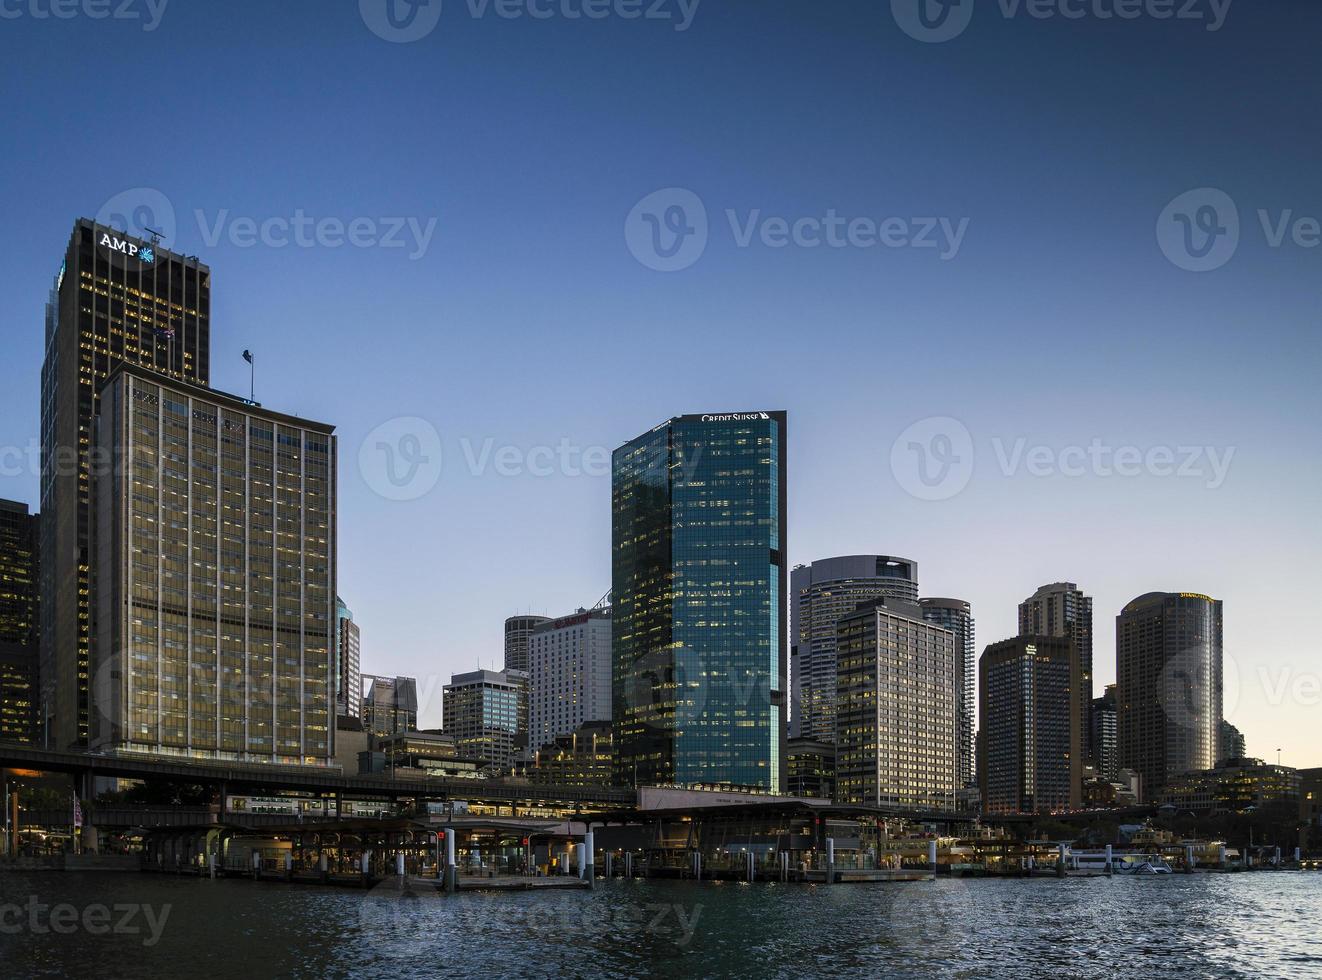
528, 322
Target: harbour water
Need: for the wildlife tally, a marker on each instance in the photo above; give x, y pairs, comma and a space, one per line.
1204, 925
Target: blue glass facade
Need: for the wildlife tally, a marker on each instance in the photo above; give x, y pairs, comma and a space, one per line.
699, 581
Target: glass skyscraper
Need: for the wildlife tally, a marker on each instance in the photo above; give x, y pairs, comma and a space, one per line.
116, 300
1168, 686
699, 583
956, 615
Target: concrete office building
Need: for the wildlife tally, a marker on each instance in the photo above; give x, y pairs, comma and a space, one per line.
1230, 744
895, 708
1168, 686
518, 631
1061, 609
348, 663
215, 555
1031, 725
821, 593
20, 627
699, 580
116, 300
482, 715
390, 706
956, 615
1101, 750
569, 675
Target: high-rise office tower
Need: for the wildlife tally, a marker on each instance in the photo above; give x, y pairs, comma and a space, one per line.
570, 675
1031, 725
1231, 744
699, 581
348, 663
482, 714
19, 622
1061, 609
821, 593
1101, 752
956, 615
1168, 686
518, 630
390, 706
895, 708
116, 300
215, 570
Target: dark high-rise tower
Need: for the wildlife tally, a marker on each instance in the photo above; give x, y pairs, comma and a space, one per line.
18, 622
822, 593
699, 580
117, 299
956, 615
1031, 725
1168, 686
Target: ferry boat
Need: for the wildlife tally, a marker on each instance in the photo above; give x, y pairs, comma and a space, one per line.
1122, 863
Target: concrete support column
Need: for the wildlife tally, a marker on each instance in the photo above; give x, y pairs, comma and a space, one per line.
610, 864
1221, 857
752, 870
289, 866
784, 866
1060, 861
399, 865
1276, 859
931, 857
587, 859
256, 864
697, 866
1188, 859
628, 864
211, 866
830, 860
1296, 855
451, 867
1110, 864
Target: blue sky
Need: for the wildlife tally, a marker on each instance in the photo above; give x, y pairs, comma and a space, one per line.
527, 321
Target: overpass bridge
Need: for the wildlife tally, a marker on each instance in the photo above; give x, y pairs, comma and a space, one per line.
235, 779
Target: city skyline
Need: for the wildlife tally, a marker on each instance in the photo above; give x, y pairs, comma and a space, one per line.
528, 333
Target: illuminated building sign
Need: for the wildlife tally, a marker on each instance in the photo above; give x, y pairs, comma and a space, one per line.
143, 253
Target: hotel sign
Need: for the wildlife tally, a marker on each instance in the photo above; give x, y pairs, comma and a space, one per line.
143, 253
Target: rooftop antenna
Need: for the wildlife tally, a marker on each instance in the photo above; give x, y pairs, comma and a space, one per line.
155, 235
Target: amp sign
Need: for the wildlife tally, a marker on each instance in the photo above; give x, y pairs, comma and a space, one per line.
143, 253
